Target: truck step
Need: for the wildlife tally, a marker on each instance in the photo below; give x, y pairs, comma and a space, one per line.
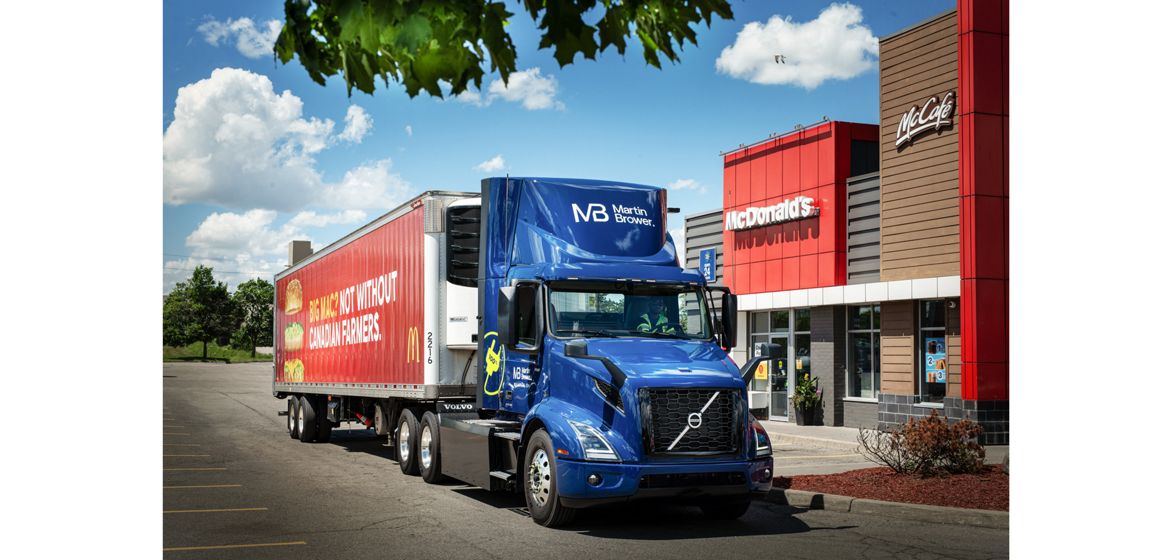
506, 476
513, 436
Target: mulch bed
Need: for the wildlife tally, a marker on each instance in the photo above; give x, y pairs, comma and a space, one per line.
987, 490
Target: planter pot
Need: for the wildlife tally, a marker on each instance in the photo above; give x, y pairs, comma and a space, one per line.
807, 417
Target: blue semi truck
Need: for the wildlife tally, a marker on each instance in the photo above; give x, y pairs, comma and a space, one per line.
597, 365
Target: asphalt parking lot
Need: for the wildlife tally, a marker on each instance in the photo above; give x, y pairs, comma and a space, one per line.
236, 486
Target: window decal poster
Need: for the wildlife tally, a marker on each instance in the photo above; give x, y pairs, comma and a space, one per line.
935, 359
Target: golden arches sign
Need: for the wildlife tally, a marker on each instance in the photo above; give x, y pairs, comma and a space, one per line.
413, 346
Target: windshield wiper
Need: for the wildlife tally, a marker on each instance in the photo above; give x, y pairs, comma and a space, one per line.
663, 335
587, 332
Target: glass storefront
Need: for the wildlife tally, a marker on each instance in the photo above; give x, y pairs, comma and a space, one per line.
863, 368
791, 331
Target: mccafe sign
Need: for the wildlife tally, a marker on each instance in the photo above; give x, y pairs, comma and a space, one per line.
788, 210
934, 114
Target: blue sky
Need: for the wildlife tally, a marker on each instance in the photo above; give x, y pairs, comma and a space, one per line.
232, 204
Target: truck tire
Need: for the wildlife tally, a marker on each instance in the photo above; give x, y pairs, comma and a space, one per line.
324, 428
539, 483
406, 437
730, 508
380, 420
306, 420
429, 461
293, 410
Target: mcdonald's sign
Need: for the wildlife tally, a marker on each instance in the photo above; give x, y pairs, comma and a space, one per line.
413, 346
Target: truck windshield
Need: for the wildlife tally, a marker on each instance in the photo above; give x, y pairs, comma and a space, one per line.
591, 309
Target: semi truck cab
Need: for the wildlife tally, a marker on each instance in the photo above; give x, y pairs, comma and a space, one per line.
603, 373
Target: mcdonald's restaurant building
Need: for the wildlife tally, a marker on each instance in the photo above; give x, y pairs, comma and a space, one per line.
875, 255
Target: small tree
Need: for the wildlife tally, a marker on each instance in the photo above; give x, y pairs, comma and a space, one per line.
253, 306
198, 310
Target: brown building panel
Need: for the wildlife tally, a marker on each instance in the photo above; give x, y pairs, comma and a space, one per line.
897, 348
918, 183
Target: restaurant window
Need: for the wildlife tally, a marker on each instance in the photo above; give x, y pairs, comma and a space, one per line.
933, 351
863, 351
803, 342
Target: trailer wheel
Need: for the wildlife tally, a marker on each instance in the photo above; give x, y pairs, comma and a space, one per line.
407, 442
380, 421
539, 483
730, 508
293, 412
324, 428
429, 461
306, 419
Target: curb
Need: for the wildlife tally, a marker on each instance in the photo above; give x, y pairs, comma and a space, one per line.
914, 512
824, 443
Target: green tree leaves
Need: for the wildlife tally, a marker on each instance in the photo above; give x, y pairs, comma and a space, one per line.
253, 301
198, 310
424, 43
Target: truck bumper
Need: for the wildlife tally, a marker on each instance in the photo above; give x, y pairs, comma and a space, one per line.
621, 482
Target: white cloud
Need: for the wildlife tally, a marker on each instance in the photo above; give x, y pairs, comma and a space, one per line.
236, 143
358, 123
312, 219
491, 165
835, 45
527, 87
251, 41
679, 242
687, 185
409, 130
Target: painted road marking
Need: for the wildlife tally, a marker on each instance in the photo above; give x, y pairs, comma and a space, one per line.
221, 510
199, 469
817, 456
202, 486
226, 546
165, 455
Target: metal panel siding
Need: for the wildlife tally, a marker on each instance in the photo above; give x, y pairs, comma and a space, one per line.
864, 229
704, 231
807, 253
897, 347
390, 354
918, 181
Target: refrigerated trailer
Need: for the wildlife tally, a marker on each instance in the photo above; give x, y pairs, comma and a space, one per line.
536, 336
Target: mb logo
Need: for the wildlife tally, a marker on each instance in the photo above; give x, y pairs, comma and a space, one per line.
413, 346
594, 213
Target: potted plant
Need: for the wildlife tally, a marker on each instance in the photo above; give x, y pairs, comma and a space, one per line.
808, 397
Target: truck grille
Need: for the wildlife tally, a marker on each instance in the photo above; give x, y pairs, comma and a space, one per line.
669, 417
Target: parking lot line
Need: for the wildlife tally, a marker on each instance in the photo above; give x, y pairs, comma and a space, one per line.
198, 469
819, 456
165, 455
219, 510
202, 486
226, 546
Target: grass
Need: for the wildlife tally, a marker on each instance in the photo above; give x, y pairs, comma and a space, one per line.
215, 353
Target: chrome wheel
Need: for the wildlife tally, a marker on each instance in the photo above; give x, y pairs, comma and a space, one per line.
403, 443
291, 415
539, 478
300, 418
424, 446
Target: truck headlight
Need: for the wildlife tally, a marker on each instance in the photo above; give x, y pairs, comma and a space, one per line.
596, 447
762, 441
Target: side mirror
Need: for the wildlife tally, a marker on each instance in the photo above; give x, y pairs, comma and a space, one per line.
519, 324
507, 330
729, 317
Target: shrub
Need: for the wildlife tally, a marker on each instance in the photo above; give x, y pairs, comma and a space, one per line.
926, 446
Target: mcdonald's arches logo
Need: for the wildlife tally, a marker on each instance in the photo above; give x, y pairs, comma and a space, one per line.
413, 346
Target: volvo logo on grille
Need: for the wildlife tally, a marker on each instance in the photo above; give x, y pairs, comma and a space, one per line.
695, 420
